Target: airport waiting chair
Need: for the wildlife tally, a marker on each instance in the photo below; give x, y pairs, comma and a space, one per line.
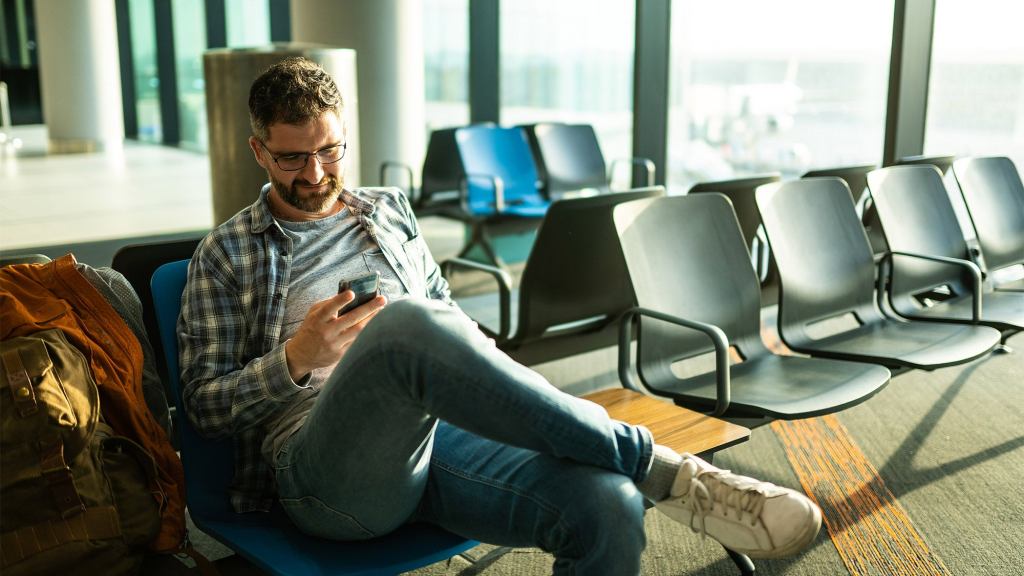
573, 287
24, 259
945, 165
827, 286
740, 192
438, 193
940, 161
697, 293
500, 193
994, 195
137, 262
268, 540
569, 159
931, 276
856, 178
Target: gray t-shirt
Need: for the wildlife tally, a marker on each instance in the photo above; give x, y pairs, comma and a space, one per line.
324, 252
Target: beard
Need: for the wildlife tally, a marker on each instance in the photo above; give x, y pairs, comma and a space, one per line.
315, 202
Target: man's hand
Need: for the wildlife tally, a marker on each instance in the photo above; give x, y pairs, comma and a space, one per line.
323, 337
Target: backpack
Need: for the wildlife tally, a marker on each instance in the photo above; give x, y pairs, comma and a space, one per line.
74, 497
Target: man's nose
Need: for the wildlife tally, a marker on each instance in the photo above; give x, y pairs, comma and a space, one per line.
313, 172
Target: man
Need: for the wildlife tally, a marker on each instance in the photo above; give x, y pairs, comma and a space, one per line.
401, 410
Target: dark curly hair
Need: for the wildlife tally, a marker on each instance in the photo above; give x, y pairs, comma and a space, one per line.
293, 91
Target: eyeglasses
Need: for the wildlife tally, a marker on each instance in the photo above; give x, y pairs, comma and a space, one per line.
296, 162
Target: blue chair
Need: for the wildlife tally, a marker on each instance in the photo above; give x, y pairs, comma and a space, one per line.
269, 540
501, 192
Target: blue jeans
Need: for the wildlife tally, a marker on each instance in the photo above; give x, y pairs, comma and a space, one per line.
425, 420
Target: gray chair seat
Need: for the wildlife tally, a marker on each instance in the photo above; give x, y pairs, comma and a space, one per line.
570, 161
919, 219
786, 387
922, 345
740, 192
827, 271
697, 291
573, 288
1003, 310
994, 194
1011, 286
856, 178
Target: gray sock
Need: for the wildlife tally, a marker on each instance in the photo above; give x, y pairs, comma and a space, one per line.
664, 467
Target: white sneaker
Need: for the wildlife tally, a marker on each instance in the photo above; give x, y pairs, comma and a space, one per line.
755, 518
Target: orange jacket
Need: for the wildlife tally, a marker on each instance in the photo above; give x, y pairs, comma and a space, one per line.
37, 297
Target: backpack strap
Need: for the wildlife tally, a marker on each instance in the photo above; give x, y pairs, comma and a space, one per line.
22, 392
55, 469
59, 478
99, 523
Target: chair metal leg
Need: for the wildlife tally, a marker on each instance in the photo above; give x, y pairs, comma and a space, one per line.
479, 237
487, 243
743, 562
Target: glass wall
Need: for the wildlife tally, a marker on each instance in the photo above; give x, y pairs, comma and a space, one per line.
570, 61
248, 23
446, 62
783, 86
19, 63
189, 44
147, 79
976, 85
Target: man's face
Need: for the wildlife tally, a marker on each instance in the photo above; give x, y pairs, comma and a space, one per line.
316, 187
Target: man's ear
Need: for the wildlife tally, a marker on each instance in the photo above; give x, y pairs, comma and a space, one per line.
257, 148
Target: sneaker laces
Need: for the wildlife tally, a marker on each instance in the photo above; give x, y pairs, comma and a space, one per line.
711, 487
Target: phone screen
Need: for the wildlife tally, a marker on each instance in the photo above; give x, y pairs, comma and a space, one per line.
365, 287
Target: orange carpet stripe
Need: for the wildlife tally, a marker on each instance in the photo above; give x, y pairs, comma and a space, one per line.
867, 524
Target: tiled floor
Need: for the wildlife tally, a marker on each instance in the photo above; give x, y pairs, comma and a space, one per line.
141, 190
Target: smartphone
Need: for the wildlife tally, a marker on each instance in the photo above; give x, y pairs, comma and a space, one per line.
365, 287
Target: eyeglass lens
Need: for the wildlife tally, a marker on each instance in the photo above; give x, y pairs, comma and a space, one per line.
330, 155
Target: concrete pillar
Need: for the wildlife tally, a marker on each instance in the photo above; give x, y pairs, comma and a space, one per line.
387, 36
79, 74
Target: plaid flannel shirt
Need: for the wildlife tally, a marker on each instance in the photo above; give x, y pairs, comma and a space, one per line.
234, 371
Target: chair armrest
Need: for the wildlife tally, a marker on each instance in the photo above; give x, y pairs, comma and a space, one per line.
647, 163
714, 333
496, 183
971, 267
407, 170
504, 280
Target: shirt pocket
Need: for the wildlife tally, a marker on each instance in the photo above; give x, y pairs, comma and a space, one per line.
376, 261
390, 286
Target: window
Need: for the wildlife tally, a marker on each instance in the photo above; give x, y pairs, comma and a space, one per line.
147, 79
248, 23
780, 86
189, 44
570, 61
446, 61
976, 85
